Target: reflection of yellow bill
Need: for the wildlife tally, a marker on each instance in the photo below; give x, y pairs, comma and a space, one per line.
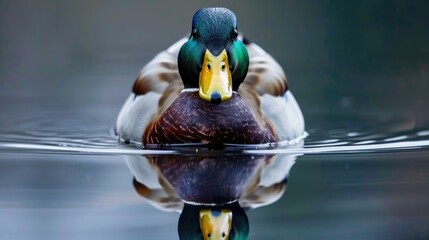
215, 77
215, 224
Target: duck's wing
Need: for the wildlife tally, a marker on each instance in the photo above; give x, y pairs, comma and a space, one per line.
157, 85
151, 185
265, 75
265, 90
269, 181
161, 75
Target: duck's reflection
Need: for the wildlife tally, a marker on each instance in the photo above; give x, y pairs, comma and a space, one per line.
211, 190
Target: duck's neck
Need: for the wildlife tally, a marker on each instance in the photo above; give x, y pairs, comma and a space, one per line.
190, 119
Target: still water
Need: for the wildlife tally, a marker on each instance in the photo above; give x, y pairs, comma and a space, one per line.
358, 69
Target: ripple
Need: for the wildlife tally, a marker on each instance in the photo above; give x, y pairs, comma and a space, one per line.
110, 148
88, 132
347, 149
70, 149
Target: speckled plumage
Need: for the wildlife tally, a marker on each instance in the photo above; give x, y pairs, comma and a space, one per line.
276, 116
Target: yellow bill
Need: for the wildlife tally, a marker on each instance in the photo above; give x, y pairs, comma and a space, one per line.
215, 224
215, 78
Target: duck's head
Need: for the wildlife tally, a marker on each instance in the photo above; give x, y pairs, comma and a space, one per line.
213, 60
213, 222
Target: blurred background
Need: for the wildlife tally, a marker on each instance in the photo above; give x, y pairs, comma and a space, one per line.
353, 55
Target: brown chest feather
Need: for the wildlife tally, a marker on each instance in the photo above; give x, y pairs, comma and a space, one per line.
189, 119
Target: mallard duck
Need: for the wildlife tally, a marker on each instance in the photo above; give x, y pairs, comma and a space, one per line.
216, 179
211, 190
214, 87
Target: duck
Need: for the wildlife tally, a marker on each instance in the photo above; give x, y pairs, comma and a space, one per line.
213, 87
212, 189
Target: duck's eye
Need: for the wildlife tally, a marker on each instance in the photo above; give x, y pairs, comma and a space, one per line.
194, 33
209, 235
223, 66
223, 234
235, 34
208, 67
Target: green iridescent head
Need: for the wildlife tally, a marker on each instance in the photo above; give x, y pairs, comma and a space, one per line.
213, 60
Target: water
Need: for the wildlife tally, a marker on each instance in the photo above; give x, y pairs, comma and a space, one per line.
391, 204
65, 176
360, 78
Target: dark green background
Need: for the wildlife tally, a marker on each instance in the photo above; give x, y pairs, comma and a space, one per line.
363, 55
